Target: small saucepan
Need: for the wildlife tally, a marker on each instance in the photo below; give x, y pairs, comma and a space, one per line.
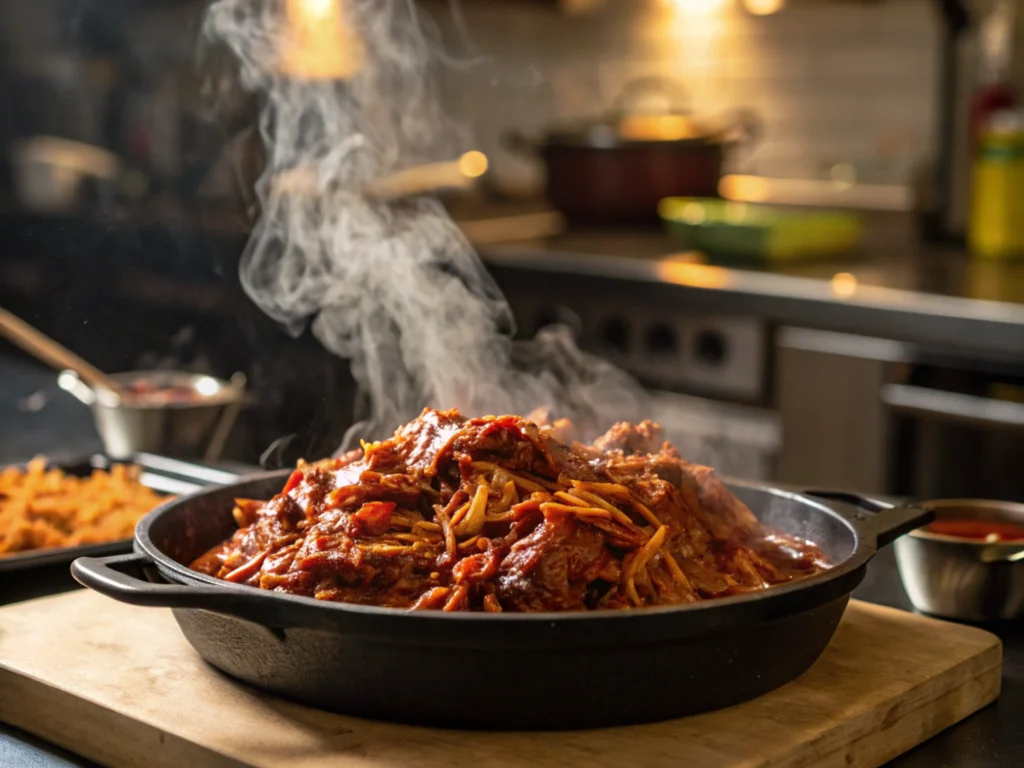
648, 148
176, 413
969, 564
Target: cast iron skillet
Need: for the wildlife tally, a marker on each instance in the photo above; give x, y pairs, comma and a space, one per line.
502, 671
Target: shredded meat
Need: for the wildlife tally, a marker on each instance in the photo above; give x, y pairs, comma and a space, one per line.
500, 514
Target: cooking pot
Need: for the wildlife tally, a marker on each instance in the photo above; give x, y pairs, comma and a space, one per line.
190, 427
649, 147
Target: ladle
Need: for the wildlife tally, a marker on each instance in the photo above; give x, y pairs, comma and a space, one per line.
47, 350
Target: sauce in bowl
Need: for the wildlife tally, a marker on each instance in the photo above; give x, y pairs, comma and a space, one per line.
154, 392
989, 531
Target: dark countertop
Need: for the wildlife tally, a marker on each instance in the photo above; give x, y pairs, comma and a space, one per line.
901, 290
990, 738
39, 417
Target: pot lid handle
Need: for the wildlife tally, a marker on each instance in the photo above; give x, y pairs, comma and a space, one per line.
652, 96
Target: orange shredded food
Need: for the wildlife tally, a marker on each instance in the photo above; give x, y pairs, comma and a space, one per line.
44, 508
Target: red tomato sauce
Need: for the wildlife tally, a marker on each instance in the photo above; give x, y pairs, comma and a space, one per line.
979, 530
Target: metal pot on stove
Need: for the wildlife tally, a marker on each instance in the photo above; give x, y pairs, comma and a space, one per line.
649, 147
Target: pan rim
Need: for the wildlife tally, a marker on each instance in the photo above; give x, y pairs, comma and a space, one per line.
863, 550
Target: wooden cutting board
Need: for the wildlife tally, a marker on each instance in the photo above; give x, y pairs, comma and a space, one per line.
121, 686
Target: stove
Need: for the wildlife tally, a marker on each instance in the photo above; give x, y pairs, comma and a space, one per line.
707, 374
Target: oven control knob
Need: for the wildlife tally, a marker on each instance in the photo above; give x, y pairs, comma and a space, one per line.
546, 317
661, 340
615, 335
711, 347
558, 315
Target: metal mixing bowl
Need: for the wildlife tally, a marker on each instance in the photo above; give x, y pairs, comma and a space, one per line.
194, 428
961, 578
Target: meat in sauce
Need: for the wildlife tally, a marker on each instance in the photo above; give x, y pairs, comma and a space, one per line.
500, 514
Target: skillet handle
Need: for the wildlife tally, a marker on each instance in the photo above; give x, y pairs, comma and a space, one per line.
886, 521
116, 577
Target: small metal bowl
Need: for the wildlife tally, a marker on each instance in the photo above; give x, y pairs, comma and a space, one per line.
197, 427
960, 578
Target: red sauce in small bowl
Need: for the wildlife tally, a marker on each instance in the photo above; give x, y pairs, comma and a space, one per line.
146, 392
978, 530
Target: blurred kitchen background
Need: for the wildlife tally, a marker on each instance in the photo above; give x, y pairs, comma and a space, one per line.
877, 346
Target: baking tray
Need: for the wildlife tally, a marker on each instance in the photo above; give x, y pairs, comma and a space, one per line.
751, 233
161, 473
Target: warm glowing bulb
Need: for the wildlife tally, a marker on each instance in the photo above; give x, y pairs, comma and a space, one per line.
763, 7
319, 9
695, 275
321, 42
473, 164
207, 386
746, 188
695, 7
844, 284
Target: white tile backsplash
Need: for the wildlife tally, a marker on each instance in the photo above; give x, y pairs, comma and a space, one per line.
833, 81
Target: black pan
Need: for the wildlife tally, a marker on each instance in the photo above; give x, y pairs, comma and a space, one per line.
502, 671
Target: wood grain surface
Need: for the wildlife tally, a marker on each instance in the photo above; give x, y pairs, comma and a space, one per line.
121, 686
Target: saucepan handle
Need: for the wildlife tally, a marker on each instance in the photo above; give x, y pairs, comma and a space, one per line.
520, 143
887, 522
117, 577
749, 128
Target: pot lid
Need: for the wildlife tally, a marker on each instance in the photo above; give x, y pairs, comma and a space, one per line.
667, 127
643, 130
648, 111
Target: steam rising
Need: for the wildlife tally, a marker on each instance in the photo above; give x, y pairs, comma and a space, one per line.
392, 286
